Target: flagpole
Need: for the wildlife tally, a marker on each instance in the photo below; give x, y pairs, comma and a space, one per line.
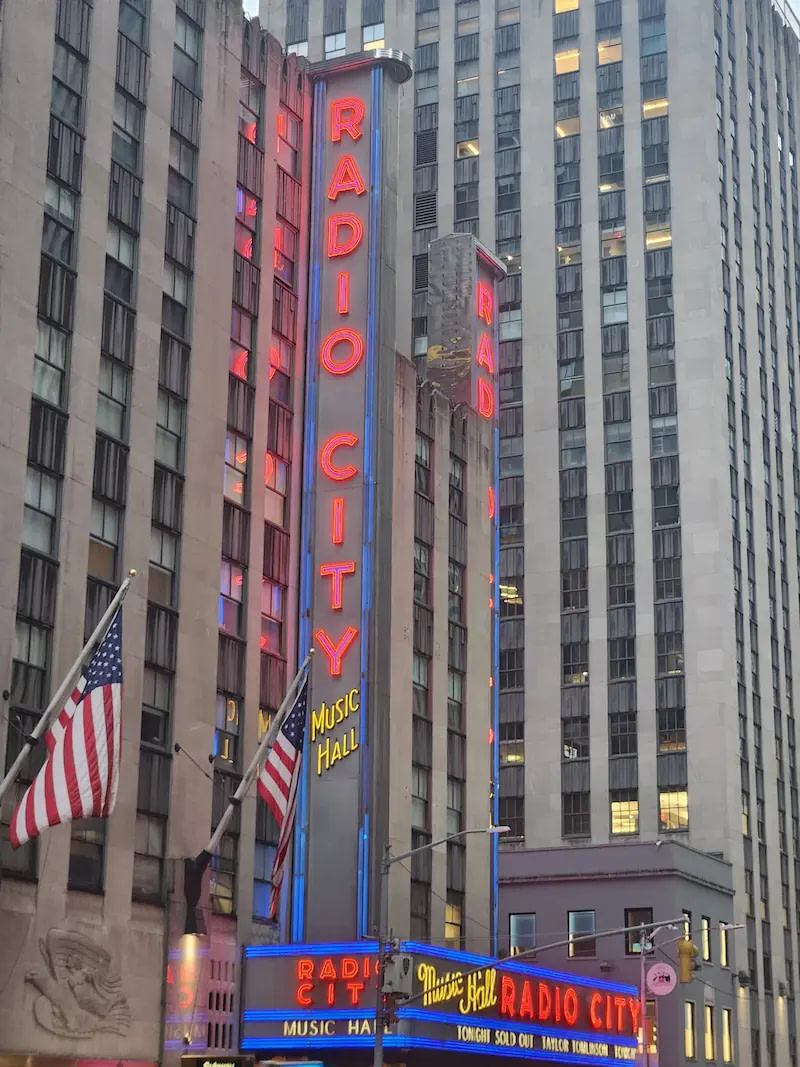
60, 694
267, 742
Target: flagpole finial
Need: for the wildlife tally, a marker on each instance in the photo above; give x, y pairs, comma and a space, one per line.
311, 651
132, 572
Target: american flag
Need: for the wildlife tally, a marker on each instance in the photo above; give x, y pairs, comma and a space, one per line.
277, 784
80, 776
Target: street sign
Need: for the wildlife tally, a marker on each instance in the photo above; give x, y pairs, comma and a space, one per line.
661, 979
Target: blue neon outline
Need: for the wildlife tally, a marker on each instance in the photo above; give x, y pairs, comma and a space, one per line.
495, 854
362, 948
368, 535
308, 496
409, 1042
257, 1015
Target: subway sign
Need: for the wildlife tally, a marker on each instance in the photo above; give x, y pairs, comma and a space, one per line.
323, 997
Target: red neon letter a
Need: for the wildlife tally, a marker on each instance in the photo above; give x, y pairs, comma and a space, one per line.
347, 115
485, 356
346, 179
336, 652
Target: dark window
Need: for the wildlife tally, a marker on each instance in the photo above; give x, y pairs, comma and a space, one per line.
86, 856
67, 88
512, 813
622, 734
636, 917
576, 822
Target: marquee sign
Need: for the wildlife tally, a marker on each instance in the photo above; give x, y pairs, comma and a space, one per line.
321, 996
346, 512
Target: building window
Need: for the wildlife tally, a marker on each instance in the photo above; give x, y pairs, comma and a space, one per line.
615, 306
235, 481
727, 1036
566, 5
372, 36
262, 880
455, 591
156, 706
335, 45
609, 47
512, 813
420, 684
455, 700
455, 805
636, 917
453, 918
86, 855
653, 36
420, 784
40, 511
671, 730
575, 815
298, 48
723, 945
689, 1040
575, 663
112, 397
512, 669
180, 179
231, 595
710, 1039
624, 811
186, 53
673, 808
29, 669
169, 429
149, 851
422, 465
705, 938
163, 565
581, 934
50, 363
521, 932
568, 59
104, 535
575, 739
622, 733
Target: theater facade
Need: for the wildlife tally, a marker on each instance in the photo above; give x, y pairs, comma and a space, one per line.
317, 1002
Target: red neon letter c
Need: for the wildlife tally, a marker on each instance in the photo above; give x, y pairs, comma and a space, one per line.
339, 440
350, 362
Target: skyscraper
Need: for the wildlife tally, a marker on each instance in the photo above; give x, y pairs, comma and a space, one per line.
634, 162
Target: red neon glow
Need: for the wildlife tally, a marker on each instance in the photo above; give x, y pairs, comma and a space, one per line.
269, 468
339, 245
485, 356
491, 502
343, 292
302, 994
238, 579
345, 439
570, 1006
485, 399
337, 520
347, 115
251, 132
485, 303
239, 364
336, 572
346, 179
336, 651
491, 736
274, 362
342, 336
305, 968
241, 458
251, 206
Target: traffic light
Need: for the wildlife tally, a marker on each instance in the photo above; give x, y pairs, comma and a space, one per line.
687, 954
390, 1002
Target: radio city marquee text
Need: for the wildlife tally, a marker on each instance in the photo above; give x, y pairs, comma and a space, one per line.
485, 996
340, 455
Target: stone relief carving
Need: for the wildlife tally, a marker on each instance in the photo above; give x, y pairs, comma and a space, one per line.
78, 994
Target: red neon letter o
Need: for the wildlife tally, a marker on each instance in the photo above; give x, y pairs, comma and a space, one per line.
570, 1006
344, 366
339, 440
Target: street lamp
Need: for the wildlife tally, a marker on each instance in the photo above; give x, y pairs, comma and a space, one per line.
387, 861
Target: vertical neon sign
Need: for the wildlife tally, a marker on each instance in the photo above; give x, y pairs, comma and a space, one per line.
331, 890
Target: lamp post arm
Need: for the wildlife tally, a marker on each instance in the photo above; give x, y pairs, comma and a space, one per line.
543, 948
389, 859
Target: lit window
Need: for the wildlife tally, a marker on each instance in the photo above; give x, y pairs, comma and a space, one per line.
689, 1047
512, 743
658, 231
464, 27
612, 240
624, 811
508, 16
299, 48
723, 951
521, 932
612, 116
567, 254
467, 86
710, 1042
453, 921
568, 60
466, 149
705, 937
581, 927
372, 36
566, 5
609, 48
235, 481
568, 127
673, 810
727, 1036
427, 35
335, 45
655, 109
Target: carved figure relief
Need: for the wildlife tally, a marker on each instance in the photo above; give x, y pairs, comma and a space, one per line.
79, 995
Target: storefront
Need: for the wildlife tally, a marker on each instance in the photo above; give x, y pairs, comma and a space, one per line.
317, 1002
